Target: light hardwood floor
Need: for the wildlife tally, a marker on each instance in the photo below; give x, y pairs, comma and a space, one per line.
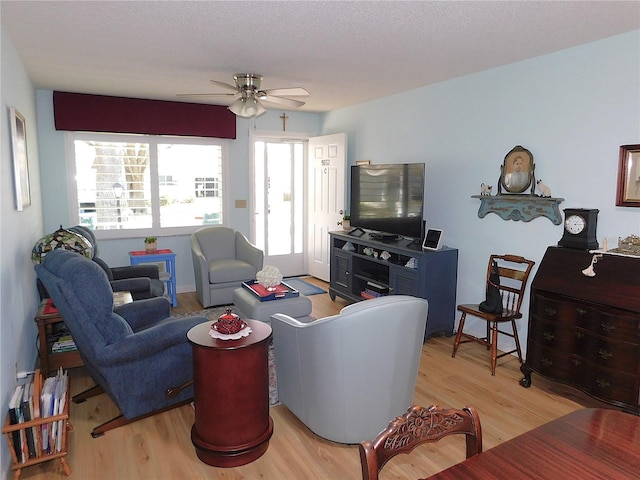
160, 447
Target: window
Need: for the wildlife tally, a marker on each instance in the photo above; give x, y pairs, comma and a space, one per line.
127, 183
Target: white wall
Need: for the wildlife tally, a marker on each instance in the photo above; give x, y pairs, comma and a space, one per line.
18, 233
571, 109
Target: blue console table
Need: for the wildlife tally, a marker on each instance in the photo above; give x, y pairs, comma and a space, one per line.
168, 276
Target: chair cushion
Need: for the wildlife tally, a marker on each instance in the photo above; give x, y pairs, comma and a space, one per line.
230, 270
217, 243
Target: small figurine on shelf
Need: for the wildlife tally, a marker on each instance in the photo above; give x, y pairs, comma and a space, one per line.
485, 189
543, 189
151, 244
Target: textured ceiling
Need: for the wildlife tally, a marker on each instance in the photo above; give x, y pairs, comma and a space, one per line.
344, 53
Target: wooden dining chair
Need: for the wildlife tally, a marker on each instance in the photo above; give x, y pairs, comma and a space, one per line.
417, 426
514, 273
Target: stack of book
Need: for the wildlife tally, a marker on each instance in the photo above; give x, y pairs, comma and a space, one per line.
373, 290
64, 344
34, 400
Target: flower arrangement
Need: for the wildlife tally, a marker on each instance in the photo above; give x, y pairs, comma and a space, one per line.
269, 277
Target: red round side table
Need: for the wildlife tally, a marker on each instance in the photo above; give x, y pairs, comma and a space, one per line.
231, 386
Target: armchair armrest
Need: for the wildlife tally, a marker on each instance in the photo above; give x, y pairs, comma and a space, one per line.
143, 270
248, 252
142, 314
142, 284
200, 264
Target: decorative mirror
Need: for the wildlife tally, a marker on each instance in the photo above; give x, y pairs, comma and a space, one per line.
628, 193
516, 173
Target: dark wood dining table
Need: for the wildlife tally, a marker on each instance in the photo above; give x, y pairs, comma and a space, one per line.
593, 443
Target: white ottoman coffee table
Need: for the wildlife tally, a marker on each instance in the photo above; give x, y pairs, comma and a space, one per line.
249, 306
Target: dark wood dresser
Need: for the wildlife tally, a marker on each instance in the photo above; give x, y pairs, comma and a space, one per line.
585, 331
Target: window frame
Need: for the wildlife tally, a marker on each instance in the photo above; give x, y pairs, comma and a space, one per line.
153, 141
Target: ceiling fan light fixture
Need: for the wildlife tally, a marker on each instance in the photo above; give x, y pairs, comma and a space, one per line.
247, 107
237, 107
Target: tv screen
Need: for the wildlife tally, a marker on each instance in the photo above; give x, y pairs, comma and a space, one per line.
388, 199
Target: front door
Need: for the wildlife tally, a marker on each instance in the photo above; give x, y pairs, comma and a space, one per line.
327, 160
278, 166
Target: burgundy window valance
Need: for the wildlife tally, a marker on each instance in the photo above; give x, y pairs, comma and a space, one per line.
100, 113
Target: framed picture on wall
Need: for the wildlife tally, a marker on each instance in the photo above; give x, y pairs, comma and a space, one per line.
20, 159
628, 193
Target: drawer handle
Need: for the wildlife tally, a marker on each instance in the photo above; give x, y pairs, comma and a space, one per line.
603, 383
606, 354
579, 335
580, 311
547, 362
608, 327
576, 362
550, 311
548, 336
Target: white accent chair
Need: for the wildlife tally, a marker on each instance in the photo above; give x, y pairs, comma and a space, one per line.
223, 258
346, 375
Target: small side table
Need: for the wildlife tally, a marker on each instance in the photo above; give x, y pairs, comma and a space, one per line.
231, 389
168, 276
46, 318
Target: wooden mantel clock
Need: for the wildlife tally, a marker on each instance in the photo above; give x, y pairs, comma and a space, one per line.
580, 229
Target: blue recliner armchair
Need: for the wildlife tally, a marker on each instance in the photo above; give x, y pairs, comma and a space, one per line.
137, 353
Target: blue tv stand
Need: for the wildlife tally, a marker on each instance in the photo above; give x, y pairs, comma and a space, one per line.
408, 270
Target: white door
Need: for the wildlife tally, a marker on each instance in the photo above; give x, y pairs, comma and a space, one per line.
278, 179
327, 160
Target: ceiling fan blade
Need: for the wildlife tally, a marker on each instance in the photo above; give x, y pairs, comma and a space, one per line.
233, 96
224, 85
288, 92
284, 102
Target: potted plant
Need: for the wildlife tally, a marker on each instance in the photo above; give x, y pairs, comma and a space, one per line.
346, 222
151, 244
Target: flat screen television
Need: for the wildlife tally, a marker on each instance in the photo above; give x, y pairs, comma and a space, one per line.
388, 199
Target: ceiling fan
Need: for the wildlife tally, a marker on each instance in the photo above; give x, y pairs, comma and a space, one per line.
248, 97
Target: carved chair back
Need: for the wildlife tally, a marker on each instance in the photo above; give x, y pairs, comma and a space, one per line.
417, 426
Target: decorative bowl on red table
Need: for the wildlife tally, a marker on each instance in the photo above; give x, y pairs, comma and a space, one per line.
229, 327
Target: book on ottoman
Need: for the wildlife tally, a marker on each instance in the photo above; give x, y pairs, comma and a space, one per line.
264, 294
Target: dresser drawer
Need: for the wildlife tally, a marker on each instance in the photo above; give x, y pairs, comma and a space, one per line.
612, 354
610, 385
553, 308
553, 334
557, 364
614, 323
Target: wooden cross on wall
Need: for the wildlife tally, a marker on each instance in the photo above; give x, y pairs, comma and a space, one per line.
284, 118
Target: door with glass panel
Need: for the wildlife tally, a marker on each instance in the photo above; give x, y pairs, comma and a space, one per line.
279, 205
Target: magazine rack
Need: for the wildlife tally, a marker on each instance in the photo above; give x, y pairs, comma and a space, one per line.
36, 425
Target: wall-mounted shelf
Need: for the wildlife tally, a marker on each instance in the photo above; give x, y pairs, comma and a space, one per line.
520, 207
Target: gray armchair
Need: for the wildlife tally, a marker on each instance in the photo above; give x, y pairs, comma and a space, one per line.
136, 353
143, 281
346, 375
223, 258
